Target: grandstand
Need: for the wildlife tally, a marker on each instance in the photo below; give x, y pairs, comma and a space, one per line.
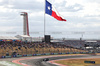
18, 47
12, 45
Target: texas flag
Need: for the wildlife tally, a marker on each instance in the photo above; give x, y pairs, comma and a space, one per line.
50, 10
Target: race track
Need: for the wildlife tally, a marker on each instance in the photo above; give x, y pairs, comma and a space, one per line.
40, 62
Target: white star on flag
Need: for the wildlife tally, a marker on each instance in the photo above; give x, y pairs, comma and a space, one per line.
48, 8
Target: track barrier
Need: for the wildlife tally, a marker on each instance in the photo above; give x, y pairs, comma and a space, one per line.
24, 55
7, 56
29, 54
19, 55
46, 54
38, 54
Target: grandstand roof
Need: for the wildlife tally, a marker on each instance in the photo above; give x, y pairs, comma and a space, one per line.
22, 36
56, 41
8, 37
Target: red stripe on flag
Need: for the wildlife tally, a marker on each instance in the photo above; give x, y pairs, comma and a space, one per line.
57, 17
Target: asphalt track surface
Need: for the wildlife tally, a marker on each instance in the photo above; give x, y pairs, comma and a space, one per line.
40, 62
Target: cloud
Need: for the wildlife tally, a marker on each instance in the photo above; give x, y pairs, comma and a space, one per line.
81, 15
92, 1
74, 8
23, 5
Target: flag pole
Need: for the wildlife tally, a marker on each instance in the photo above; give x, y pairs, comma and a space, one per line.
44, 26
44, 19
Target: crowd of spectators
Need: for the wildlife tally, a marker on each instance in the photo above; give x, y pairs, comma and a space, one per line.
27, 45
19, 44
74, 43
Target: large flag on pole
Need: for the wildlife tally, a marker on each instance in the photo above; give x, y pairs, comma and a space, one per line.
50, 10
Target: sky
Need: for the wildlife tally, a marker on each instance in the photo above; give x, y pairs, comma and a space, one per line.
83, 18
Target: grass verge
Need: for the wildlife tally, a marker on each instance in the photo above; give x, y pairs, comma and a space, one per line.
78, 62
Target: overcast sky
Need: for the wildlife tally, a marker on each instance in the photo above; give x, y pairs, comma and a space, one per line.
83, 17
